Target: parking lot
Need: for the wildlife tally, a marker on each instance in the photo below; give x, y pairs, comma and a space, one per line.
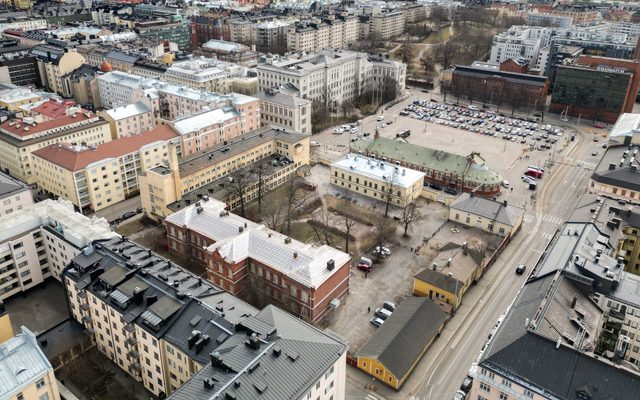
507, 145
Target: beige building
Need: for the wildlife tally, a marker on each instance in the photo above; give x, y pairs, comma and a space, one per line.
242, 31
387, 25
202, 73
130, 119
19, 137
55, 62
335, 32
281, 109
377, 179
164, 189
13, 98
82, 85
25, 372
489, 215
37, 241
99, 176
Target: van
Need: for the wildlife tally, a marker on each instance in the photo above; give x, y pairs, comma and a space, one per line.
365, 260
505, 184
534, 173
382, 313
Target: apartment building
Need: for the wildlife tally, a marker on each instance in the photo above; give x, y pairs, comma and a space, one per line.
53, 63
37, 241
202, 73
334, 32
598, 336
387, 24
83, 86
96, 177
284, 377
242, 256
130, 119
176, 29
377, 179
242, 31
271, 36
207, 129
19, 137
518, 41
13, 98
383, 68
545, 19
25, 372
14, 195
168, 188
333, 76
162, 324
279, 108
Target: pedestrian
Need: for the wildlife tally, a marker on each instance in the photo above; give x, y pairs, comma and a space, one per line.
365, 274
369, 310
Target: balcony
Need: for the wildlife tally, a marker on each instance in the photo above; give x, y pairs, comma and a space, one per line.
84, 306
133, 353
131, 341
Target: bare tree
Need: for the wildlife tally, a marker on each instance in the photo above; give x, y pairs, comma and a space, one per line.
295, 200
406, 51
319, 114
439, 15
347, 222
445, 52
381, 226
391, 180
410, 214
427, 65
273, 216
261, 171
389, 89
238, 183
321, 223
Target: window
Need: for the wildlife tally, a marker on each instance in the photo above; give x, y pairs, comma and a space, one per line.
44, 397
40, 384
484, 387
506, 383
503, 396
528, 393
481, 398
19, 396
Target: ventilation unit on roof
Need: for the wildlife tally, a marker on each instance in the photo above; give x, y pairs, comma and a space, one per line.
331, 264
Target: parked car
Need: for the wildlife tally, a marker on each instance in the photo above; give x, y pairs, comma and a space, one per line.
128, 215
520, 269
365, 267
460, 395
338, 131
383, 251
389, 305
596, 139
354, 130
451, 191
505, 184
466, 384
382, 313
380, 118
594, 153
435, 186
377, 322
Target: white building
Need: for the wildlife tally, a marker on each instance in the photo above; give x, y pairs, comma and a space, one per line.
203, 73
25, 372
25, 24
320, 34
39, 240
281, 109
14, 195
116, 88
544, 19
519, 41
630, 29
130, 119
334, 76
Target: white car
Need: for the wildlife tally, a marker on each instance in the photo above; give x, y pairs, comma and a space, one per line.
338, 131
354, 130
380, 117
384, 252
460, 395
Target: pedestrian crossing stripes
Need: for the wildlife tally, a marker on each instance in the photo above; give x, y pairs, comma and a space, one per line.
547, 237
586, 164
371, 396
552, 218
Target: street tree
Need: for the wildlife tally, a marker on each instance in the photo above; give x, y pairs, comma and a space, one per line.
444, 53
261, 170
238, 183
410, 214
296, 197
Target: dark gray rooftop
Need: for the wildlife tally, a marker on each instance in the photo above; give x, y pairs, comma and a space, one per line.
616, 168
10, 186
400, 342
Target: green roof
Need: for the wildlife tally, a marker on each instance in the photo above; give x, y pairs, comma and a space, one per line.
430, 159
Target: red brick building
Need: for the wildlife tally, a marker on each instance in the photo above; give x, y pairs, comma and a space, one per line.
517, 65
242, 256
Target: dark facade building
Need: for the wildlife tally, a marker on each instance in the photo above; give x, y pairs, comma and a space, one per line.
598, 93
16, 65
207, 28
499, 87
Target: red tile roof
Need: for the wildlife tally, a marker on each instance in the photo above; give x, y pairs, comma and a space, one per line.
54, 108
16, 126
74, 159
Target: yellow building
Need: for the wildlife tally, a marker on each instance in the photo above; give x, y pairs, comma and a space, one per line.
25, 372
489, 215
13, 99
397, 346
6, 330
377, 179
55, 62
19, 137
164, 187
96, 177
450, 274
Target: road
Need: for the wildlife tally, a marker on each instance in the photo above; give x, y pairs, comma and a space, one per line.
445, 365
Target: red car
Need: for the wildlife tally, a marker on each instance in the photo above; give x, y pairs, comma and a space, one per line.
365, 267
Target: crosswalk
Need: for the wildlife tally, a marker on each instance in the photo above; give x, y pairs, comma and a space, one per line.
371, 396
547, 237
528, 218
582, 163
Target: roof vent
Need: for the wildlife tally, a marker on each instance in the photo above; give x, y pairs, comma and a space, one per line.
295, 254
277, 351
331, 264
199, 210
287, 240
209, 383
240, 229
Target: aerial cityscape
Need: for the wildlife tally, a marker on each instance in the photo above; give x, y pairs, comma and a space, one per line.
319, 200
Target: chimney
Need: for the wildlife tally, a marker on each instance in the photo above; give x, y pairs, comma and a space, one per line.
254, 341
151, 299
216, 359
558, 343
465, 249
434, 266
504, 203
574, 300
137, 295
331, 264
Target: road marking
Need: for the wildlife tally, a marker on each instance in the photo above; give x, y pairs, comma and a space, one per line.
371, 396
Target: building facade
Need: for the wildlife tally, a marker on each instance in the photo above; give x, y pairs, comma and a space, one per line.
39, 240
129, 120
377, 179
206, 74
337, 32
21, 137
34, 377
99, 176
53, 63
303, 279
281, 109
